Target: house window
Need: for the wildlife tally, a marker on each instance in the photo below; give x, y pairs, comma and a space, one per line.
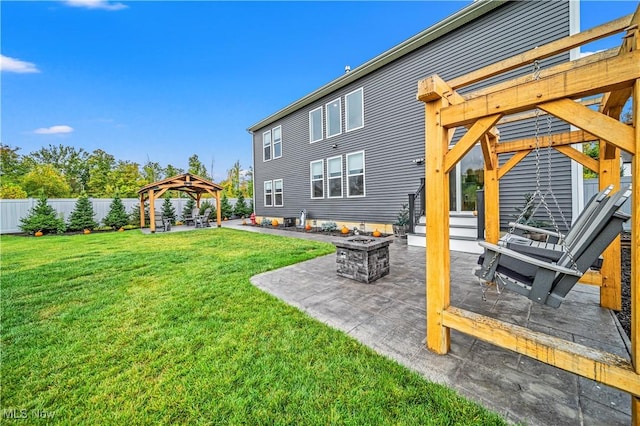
268, 193
315, 125
277, 142
334, 118
266, 145
317, 179
277, 193
355, 174
334, 177
354, 110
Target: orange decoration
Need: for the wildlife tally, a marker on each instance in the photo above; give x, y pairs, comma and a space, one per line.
308, 227
274, 222
38, 234
87, 231
345, 230
376, 233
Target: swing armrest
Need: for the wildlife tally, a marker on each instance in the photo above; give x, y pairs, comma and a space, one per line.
524, 227
530, 260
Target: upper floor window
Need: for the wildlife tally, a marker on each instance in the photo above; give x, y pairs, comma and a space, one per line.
315, 125
334, 177
354, 110
266, 146
277, 142
277, 193
268, 193
355, 174
334, 118
317, 179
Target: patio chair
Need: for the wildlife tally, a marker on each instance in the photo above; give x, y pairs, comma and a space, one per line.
191, 219
203, 220
552, 280
162, 225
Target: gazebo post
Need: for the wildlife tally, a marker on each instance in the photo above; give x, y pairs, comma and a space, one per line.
152, 211
218, 212
141, 210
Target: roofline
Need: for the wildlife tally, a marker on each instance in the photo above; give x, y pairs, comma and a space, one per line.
452, 22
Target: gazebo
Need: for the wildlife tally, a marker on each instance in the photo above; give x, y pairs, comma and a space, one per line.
194, 186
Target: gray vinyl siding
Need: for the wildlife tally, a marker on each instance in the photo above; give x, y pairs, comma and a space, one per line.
393, 132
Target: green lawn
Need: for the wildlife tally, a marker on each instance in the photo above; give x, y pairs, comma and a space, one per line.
125, 328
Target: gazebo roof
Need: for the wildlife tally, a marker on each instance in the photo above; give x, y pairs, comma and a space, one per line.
186, 182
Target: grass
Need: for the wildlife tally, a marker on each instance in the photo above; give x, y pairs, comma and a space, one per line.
120, 328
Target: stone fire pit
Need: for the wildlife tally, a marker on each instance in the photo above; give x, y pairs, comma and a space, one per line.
362, 258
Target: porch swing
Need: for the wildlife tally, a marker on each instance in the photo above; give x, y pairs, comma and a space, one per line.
545, 271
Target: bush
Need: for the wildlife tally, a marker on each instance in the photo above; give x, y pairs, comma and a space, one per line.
188, 208
82, 215
168, 211
42, 218
117, 216
225, 208
134, 217
241, 209
329, 226
265, 222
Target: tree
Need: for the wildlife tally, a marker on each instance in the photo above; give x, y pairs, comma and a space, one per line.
117, 216
134, 217
42, 218
197, 168
82, 215
45, 180
241, 209
168, 211
225, 208
152, 172
125, 179
70, 162
188, 208
12, 191
171, 171
12, 166
99, 165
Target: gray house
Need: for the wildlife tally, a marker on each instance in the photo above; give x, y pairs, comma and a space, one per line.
351, 151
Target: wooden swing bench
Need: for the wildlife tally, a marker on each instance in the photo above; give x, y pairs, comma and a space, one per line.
546, 274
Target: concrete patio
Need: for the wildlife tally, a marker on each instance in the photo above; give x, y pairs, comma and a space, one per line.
389, 316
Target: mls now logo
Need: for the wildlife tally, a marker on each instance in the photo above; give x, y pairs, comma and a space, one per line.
14, 413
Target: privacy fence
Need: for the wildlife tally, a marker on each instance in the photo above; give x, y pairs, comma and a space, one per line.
11, 211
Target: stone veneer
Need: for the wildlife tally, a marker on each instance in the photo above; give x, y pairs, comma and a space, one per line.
362, 258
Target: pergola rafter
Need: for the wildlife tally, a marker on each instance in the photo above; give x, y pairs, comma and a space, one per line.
614, 74
192, 185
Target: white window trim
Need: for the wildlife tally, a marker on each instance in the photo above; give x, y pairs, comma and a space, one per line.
270, 146
265, 193
346, 110
326, 117
311, 140
329, 178
275, 192
364, 173
273, 143
311, 179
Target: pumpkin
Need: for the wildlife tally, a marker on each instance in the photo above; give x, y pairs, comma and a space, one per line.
121, 229
344, 230
274, 222
87, 231
308, 227
38, 234
376, 233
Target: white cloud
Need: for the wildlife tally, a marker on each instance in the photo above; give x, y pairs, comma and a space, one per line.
96, 4
53, 130
583, 54
15, 65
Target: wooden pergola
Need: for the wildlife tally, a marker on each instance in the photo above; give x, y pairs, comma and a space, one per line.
194, 186
613, 74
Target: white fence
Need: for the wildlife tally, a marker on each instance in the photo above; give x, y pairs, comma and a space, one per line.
591, 188
11, 211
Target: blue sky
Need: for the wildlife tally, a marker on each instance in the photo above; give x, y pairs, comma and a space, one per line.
162, 81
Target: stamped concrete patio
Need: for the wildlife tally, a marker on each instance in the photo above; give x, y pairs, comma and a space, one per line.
389, 316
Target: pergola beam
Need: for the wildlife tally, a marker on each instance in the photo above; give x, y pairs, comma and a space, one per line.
604, 76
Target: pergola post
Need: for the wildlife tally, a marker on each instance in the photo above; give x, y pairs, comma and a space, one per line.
152, 211
635, 251
437, 219
218, 210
